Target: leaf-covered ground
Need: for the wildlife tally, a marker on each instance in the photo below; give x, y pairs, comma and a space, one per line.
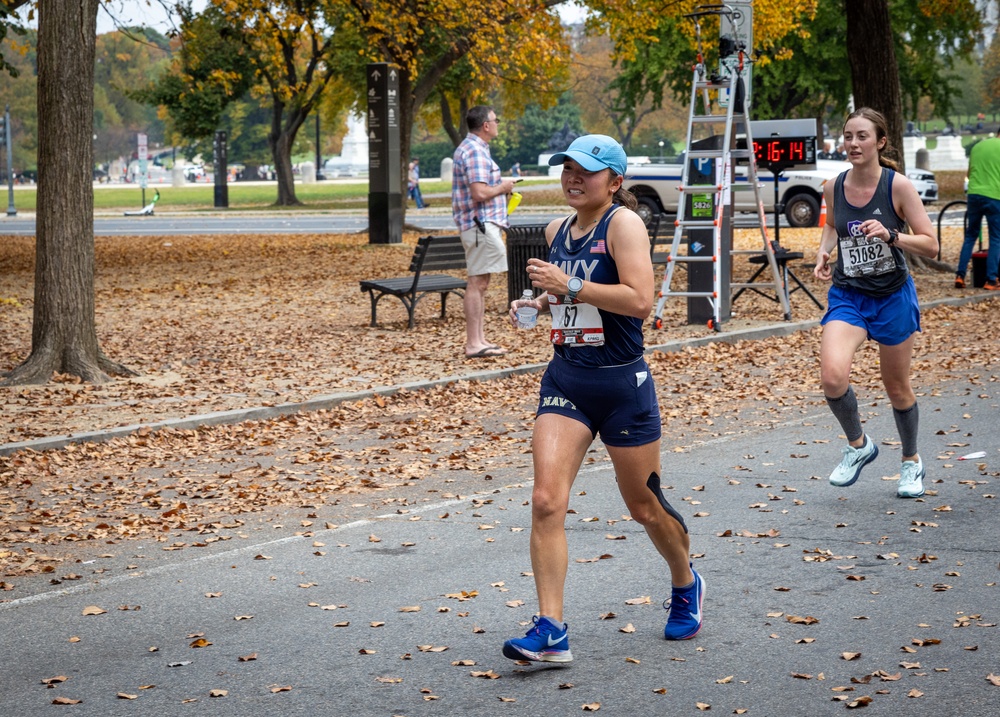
218, 323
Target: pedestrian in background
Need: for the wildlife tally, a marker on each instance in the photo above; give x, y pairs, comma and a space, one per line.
598, 286
479, 207
413, 184
873, 295
983, 201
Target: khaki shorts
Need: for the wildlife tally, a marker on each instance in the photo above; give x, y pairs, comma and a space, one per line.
485, 253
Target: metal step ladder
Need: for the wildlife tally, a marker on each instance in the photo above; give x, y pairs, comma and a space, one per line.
717, 214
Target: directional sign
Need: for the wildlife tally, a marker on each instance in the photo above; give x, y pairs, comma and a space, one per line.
385, 203
220, 164
383, 129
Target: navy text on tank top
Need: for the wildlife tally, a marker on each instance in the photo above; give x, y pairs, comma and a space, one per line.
589, 259
867, 264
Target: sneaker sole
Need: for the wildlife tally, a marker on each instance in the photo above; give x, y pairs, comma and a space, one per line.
857, 473
686, 637
513, 652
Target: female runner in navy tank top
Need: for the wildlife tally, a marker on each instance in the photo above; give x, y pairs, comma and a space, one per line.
598, 286
873, 296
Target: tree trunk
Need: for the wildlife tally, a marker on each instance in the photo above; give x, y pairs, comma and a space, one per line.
924, 263
875, 78
874, 72
281, 152
406, 121
280, 140
446, 120
64, 333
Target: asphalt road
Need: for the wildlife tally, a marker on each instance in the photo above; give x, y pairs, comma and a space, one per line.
404, 613
246, 223
165, 224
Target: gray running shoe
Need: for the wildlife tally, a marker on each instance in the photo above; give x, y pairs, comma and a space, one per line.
911, 479
853, 461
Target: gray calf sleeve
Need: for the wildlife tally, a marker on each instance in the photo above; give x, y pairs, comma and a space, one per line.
845, 409
654, 485
907, 423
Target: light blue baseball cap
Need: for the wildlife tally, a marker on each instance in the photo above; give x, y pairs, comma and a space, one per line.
594, 152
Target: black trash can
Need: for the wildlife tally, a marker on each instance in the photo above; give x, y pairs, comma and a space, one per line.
524, 241
979, 269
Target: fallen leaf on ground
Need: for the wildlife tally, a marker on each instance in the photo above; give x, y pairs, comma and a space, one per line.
797, 620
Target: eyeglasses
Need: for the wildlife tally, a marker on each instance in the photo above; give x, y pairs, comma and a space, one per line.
495, 120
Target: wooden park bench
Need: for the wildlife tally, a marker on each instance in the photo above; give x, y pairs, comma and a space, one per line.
432, 254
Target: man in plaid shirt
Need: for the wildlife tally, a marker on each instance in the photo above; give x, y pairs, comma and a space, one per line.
479, 206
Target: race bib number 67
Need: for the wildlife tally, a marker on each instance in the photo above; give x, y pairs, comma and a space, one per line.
575, 323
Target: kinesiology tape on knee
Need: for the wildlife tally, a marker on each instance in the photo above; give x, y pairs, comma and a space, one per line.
654, 485
907, 423
845, 410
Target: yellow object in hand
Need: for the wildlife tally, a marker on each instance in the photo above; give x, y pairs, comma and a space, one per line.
513, 202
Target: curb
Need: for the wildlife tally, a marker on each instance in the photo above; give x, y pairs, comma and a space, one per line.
329, 401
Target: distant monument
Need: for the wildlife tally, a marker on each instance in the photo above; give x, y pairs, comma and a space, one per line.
353, 159
948, 155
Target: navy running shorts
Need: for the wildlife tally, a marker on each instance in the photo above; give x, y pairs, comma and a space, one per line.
889, 320
617, 402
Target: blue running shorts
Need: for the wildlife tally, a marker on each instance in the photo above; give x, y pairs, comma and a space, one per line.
618, 402
889, 320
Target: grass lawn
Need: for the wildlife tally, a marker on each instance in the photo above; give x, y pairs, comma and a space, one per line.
201, 197
324, 196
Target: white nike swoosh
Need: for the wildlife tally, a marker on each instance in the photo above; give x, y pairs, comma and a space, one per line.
697, 615
556, 642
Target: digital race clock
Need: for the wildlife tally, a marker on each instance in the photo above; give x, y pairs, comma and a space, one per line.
780, 153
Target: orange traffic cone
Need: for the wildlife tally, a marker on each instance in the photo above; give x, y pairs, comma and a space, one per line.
822, 212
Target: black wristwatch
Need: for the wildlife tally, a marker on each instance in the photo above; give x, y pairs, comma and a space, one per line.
575, 284
893, 237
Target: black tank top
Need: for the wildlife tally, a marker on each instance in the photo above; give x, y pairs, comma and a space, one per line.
868, 264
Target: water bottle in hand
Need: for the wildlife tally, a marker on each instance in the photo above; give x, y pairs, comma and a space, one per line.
527, 314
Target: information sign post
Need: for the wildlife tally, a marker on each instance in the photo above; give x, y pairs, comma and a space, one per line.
220, 160
385, 196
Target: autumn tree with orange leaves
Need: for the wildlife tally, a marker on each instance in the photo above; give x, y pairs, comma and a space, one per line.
285, 53
463, 53
292, 50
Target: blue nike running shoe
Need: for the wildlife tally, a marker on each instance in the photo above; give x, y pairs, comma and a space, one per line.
684, 605
546, 641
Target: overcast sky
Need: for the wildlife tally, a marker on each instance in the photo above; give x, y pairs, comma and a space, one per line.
151, 12
136, 12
